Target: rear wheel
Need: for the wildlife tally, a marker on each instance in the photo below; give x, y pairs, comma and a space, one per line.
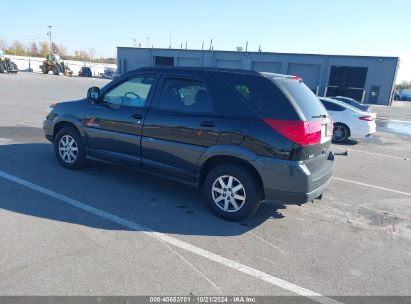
69, 148
45, 69
341, 133
232, 192
2, 69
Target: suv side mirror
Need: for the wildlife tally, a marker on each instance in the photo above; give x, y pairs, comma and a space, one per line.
93, 93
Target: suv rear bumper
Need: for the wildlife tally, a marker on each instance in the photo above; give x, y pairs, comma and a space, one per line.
292, 182
277, 196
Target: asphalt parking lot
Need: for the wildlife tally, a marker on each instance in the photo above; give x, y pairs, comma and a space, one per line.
106, 230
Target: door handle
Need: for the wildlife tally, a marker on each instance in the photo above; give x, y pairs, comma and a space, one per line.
137, 116
209, 124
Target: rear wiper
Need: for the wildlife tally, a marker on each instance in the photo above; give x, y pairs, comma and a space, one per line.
319, 116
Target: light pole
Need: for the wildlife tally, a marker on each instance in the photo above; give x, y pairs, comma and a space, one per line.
49, 34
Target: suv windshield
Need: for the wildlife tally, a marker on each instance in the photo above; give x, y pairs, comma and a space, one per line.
303, 97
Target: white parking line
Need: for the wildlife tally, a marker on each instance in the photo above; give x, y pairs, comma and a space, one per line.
371, 186
175, 242
378, 154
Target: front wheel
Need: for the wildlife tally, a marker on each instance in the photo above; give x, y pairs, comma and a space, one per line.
69, 148
232, 191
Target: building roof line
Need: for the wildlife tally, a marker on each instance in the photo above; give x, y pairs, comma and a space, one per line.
253, 52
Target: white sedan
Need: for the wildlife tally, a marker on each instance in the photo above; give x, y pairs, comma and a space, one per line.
349, 122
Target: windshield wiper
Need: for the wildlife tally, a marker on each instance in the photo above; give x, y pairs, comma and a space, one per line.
319, 116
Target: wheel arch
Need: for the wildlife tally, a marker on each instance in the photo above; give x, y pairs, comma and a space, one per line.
68, 122
214, 159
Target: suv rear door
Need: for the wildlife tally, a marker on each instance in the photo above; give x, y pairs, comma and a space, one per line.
183, 122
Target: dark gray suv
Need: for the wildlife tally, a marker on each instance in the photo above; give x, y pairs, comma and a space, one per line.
242, 136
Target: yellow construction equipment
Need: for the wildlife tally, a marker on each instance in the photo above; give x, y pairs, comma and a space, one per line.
54, 64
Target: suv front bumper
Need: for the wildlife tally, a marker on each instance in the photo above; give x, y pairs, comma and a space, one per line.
48, 127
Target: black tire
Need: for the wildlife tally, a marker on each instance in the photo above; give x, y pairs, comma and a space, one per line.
45, 69
2, 69
341, 133
252, 191
56, 70
15, 67
80, 160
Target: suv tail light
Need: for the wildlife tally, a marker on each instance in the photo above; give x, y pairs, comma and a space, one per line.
367, 118
301, 132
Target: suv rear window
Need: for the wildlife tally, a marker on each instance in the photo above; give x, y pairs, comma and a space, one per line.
304, 97
262, 95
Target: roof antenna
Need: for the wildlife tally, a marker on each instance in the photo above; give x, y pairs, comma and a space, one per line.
202, 46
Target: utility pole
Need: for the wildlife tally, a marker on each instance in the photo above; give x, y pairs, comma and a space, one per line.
49, 34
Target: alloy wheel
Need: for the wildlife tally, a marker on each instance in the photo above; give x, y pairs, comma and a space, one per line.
340, 133
228, 193
68, 149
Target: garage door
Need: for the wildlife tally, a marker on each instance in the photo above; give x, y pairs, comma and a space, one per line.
193, 62
310, 73
230, 64
265, 66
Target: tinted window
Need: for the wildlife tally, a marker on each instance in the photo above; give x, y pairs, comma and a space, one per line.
332, 106
304, 97
185, 95
262, 95
133, 92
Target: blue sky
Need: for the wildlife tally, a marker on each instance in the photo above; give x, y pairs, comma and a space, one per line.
361, 27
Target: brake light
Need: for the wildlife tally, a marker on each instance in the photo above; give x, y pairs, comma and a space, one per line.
296, 78
366, 118
301, 132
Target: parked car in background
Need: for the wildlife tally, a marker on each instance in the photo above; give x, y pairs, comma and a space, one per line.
109, 73
405, 95
349, 122
85, 72
353, 102
242, 136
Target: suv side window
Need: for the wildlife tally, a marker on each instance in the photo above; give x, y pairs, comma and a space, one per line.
329, 106
185, 95
133, 92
